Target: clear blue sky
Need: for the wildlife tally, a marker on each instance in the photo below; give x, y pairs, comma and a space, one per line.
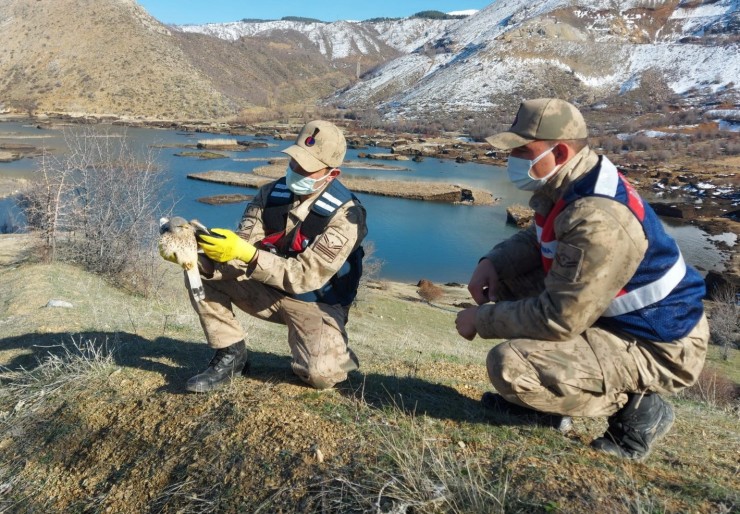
180, 12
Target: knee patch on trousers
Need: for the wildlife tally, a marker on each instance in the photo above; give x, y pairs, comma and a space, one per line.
497, 361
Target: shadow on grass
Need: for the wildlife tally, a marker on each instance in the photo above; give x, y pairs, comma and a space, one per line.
412, 395
177, 360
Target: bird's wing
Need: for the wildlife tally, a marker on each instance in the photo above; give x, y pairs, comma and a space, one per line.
200, 229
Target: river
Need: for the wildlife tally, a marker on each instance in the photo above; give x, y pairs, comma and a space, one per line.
413, 239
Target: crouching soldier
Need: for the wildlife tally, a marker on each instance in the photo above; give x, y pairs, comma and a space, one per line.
602, 315
296, 259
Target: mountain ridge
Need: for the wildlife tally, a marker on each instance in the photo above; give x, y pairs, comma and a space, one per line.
501, 54
111, 57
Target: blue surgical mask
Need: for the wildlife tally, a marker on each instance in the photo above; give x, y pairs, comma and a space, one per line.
299, 184
520, 172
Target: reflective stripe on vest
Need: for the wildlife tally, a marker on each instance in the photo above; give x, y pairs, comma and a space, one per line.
280, 190
648, 294
328, 202
607, 185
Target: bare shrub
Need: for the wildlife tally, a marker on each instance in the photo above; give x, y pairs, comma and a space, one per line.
479, 130
429, 291
658, 155
732, 148
724, 320
98, 206
641, 142
611, 144
371, 266
714, 389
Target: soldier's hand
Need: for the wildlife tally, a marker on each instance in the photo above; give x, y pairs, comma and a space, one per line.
484, 283
465, 323
224, 245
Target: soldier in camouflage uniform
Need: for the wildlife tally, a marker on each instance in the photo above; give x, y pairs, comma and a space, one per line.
600, 313
296, 259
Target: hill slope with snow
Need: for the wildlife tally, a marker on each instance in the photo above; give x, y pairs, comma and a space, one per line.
583, 51
337, 40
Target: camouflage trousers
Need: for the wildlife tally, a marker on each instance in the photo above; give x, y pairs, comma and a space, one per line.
317, 337
590, 375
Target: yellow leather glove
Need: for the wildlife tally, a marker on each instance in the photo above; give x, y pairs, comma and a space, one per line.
225, 245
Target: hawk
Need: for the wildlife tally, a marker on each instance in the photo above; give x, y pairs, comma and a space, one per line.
178, 244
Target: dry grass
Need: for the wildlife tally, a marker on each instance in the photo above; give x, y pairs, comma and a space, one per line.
418, 471
715, 389
102, 423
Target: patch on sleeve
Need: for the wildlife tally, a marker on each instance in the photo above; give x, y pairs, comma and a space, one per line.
568, 262
253, 211
329, 244
247, 225
249, 220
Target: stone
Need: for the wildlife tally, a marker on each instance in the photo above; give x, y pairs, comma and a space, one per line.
61, 304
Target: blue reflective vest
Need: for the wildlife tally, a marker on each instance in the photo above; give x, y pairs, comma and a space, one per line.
663, 299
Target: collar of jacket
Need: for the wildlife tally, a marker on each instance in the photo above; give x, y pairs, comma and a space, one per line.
543, 200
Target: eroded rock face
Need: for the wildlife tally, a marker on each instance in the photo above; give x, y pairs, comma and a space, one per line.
519, 215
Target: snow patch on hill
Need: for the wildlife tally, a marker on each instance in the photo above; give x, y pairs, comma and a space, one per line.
516, 46
337, 40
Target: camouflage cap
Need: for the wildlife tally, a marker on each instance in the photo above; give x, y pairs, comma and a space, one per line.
542, 119
319, 145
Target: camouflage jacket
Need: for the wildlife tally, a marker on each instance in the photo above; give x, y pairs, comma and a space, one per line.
319, 262
600, 246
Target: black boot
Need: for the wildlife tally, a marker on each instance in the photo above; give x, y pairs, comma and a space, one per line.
635, 427
225, 363
524, 416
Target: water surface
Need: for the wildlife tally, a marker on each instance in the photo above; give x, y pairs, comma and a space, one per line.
414, 239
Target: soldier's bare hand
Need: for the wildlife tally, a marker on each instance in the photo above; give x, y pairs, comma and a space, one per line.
465, 323
484, 284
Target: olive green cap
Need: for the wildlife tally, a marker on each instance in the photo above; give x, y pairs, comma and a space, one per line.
548, 119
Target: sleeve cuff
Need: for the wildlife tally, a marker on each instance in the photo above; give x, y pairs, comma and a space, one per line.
484, 321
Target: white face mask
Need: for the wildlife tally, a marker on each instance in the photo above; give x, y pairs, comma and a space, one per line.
520, 172
299, 184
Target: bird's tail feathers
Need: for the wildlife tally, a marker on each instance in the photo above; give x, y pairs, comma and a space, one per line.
195, 283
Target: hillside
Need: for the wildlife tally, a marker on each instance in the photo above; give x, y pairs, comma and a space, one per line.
94, 418
280, 74
376, 40
584, 51
111, 58
101, 57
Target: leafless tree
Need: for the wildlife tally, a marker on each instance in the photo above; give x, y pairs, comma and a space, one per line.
42, 202
98, 204
724, 324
